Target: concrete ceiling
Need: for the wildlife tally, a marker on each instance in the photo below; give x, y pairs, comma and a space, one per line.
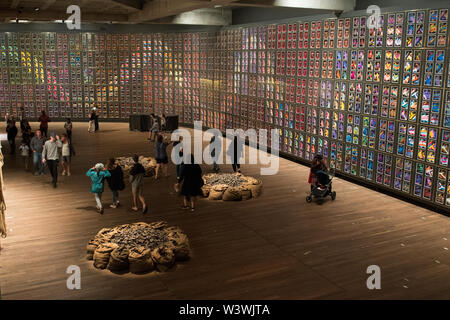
211, 12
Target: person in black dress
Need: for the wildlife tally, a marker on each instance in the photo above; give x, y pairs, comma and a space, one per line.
115, 181
191, 177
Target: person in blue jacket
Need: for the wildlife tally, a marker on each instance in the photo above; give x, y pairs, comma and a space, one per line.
98, 174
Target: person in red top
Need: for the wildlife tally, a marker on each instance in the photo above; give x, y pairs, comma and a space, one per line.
44, 120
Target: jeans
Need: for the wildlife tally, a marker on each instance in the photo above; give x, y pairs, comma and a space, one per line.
37, 162
178, 166
98, 199
115, 196
53, 168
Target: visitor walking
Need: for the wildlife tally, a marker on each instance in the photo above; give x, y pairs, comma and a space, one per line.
137, 173
96, 121
98, 174
68, 127
161, 156
25, 154
191, 177
11, 131
153, 133
67, 152
37, 145
50, 155
213, 153
44, 120
115, 181
235, 151
91, 121
22, 119
26, 131
163, 122
180, 154
7, 118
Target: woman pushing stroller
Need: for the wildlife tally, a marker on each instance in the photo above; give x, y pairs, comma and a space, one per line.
318, 164
320, 180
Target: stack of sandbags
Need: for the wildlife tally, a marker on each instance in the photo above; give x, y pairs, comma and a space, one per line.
102, 254
217, 191
140, 259
179, 243
245, 189
255, 186
232, 194
118, 259
140, 247
164, 258
205, 191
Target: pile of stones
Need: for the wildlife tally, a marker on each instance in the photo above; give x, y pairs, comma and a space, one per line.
139, 247
232, 180
230, 187
127, 163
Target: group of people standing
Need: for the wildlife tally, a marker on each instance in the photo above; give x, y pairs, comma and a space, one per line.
59, 149
42, 151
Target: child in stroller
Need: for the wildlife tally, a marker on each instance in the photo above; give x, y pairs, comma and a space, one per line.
320, 180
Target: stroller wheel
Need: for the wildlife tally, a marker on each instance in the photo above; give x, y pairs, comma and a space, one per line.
308, 199
333, 195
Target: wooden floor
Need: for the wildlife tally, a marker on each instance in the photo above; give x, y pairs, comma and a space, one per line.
274, 247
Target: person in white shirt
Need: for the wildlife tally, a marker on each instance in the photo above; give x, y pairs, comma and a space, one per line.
50, 155
25, 154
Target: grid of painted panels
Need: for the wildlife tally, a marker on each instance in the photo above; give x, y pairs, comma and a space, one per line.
374, 101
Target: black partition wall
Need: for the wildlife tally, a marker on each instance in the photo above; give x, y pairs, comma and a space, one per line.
374, 101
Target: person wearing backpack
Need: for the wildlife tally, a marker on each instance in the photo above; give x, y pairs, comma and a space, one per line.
115, 181
98, 174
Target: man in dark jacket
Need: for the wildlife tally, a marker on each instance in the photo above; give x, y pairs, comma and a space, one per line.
11, 129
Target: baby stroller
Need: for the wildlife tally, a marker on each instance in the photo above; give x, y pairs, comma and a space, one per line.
322, 189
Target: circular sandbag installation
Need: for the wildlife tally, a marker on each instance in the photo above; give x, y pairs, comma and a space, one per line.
230, 187
149, 164
138, 247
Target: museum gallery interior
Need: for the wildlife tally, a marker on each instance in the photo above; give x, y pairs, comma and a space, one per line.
354, 96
